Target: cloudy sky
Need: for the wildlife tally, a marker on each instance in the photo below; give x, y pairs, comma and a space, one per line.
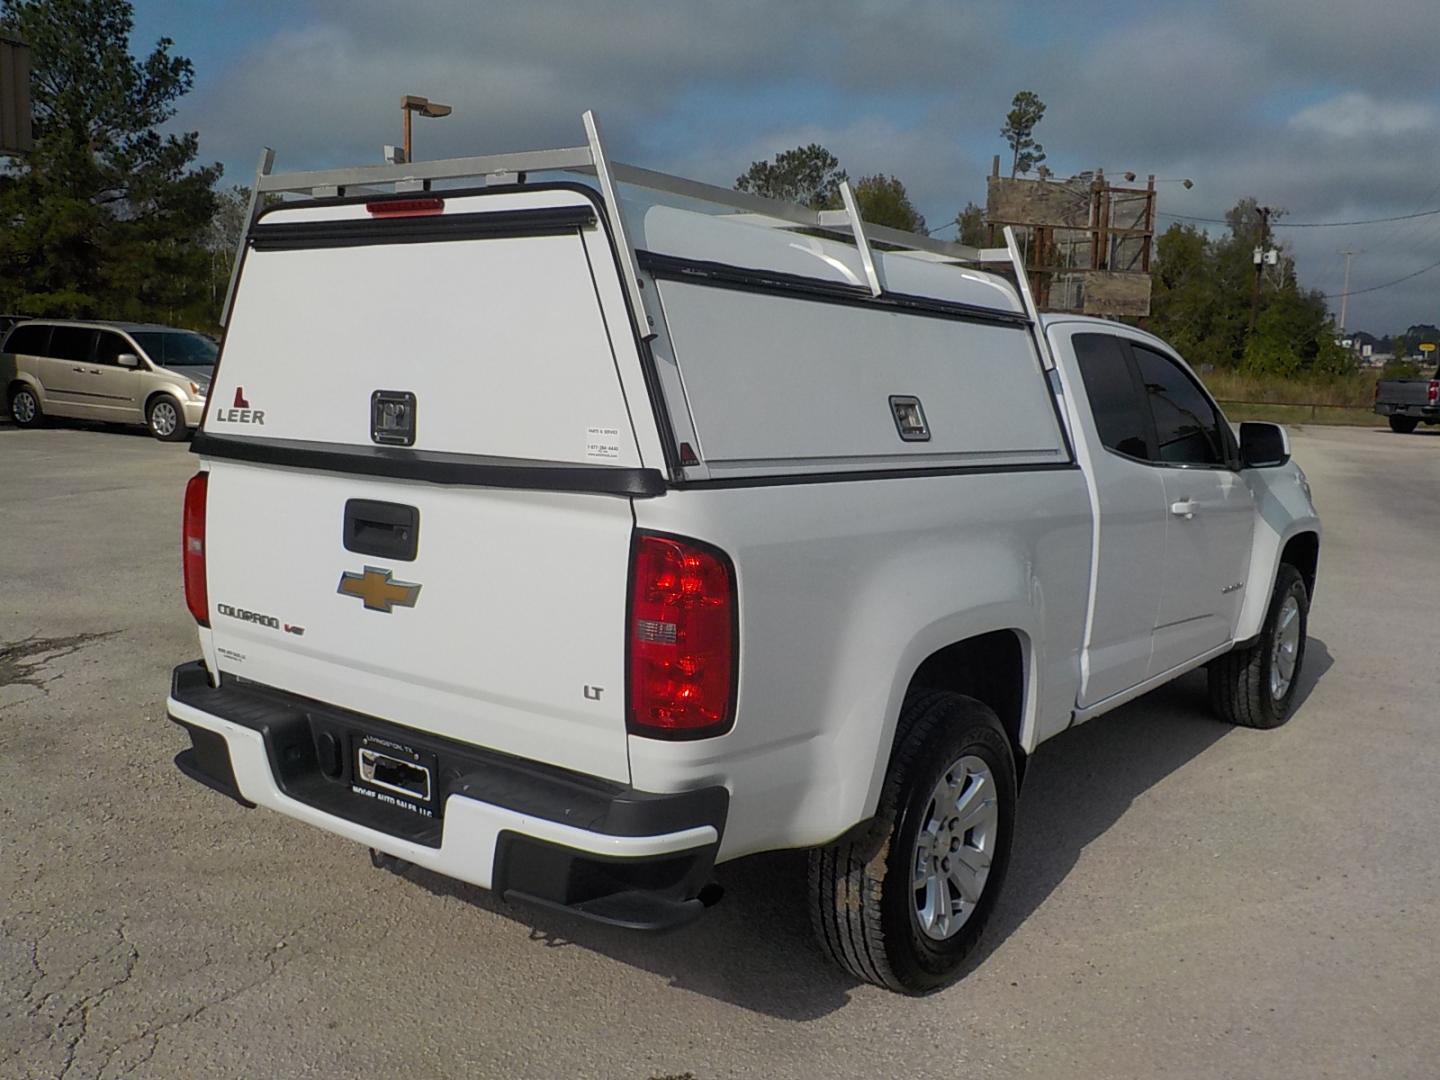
1327, 109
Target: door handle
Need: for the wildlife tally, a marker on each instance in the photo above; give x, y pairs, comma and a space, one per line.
79, 369
1184, 508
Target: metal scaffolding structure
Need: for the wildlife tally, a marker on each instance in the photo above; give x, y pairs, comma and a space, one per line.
1087, 241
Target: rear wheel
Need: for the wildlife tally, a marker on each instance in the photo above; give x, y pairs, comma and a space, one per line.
1255, 687
25, 407
903, 906
1404, 425
165, 420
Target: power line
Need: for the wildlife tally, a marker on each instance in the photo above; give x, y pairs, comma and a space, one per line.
1377, 288
1306, 225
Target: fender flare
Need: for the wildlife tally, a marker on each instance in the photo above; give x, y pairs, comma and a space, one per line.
1264, 567
1015, 618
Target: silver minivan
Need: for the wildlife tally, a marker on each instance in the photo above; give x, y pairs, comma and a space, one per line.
127, 373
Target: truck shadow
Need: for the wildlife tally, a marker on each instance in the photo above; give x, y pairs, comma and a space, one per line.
755, 948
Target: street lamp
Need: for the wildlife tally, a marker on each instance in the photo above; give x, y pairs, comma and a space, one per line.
410, 104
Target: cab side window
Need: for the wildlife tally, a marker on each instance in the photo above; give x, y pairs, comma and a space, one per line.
1116, 400
1187, 426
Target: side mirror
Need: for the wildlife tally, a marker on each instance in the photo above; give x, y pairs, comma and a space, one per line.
1263, 446
128, 359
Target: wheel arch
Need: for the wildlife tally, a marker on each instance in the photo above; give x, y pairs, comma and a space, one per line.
992, 668
168, 392
1302, 551
990, 660
164, 391
23, 380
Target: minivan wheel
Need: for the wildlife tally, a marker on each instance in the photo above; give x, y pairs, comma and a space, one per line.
903, 905
1255, 687
163, 417
1404, 425
25, 408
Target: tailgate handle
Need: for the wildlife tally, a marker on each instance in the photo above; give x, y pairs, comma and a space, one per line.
389, 530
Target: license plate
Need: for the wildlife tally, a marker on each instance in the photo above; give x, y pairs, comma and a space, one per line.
395, 773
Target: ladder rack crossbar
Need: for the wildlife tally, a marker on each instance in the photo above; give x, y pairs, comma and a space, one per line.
566, 160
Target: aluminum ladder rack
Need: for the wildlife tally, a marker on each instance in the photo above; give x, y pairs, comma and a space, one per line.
591, 160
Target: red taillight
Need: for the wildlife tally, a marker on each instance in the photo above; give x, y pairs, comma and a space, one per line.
192, 540
682, 639
1434, 394
405, 207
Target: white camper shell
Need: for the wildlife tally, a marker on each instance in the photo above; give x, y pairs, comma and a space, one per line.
574, 532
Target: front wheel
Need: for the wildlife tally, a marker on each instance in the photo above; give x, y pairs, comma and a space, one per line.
165, 420
905, 904
1255, 687
1403, 425
25, 408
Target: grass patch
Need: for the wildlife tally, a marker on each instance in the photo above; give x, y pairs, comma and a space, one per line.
1303, 414
1345, 390
1347, 400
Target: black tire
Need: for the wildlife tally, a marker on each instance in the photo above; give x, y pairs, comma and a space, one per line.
167, 426
864, 901
1241, 691
25, 415
1404, 425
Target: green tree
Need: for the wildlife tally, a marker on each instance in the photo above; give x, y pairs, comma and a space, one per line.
883, 200
107, 216
971, 224
1200, 302
809, 175
1403, 347
1026, 111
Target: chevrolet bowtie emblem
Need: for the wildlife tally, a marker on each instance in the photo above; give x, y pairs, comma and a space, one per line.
378, 592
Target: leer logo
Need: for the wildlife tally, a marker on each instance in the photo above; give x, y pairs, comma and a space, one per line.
377, 590
241, 413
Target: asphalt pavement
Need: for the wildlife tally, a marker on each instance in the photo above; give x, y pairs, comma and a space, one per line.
1186, 899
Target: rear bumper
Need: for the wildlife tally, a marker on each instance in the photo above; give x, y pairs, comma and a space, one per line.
1420, 412
522, 829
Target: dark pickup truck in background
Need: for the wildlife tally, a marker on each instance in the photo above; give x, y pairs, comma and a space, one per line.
1409, 402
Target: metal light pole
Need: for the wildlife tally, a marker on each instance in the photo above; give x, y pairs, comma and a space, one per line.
410, 104
1345, 292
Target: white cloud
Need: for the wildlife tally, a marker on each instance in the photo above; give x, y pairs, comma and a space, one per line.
917, 88
1357, 115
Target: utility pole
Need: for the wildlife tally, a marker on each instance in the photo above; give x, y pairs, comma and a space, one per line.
1345, 292
1264, 212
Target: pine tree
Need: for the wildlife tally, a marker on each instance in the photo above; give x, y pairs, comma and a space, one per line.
106, 217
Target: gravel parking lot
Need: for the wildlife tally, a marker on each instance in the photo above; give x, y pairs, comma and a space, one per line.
1186, 899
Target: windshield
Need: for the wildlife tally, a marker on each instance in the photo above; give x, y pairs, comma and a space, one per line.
177, 348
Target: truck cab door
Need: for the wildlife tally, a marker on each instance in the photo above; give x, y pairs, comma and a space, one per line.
1210, 513
1128, 494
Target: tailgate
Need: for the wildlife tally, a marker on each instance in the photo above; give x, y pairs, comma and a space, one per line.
421, 452
1404, 392
513, 605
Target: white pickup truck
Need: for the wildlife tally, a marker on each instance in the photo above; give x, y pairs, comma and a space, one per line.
569, 544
